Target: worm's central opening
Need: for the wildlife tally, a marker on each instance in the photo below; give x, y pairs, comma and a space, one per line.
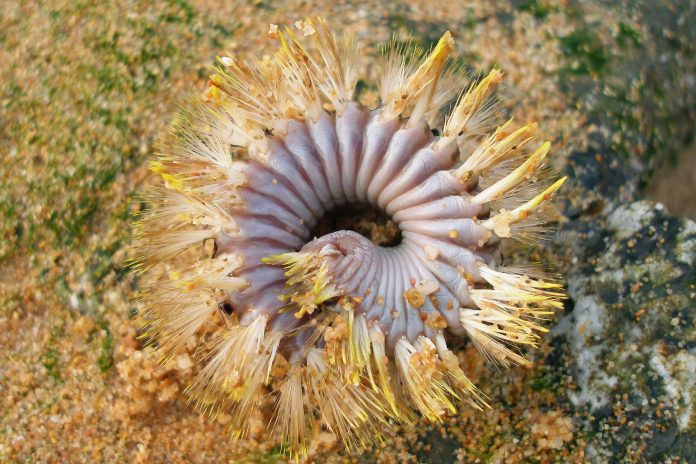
365, 219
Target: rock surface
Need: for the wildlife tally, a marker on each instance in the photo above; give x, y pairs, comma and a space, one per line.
630, 337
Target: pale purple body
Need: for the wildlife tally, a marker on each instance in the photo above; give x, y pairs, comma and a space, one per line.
359, 158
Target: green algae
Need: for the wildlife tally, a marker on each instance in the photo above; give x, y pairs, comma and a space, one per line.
586, 53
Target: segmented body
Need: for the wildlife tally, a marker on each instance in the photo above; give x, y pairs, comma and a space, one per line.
362, 330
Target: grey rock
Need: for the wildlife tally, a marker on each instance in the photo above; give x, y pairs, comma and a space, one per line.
630, 339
